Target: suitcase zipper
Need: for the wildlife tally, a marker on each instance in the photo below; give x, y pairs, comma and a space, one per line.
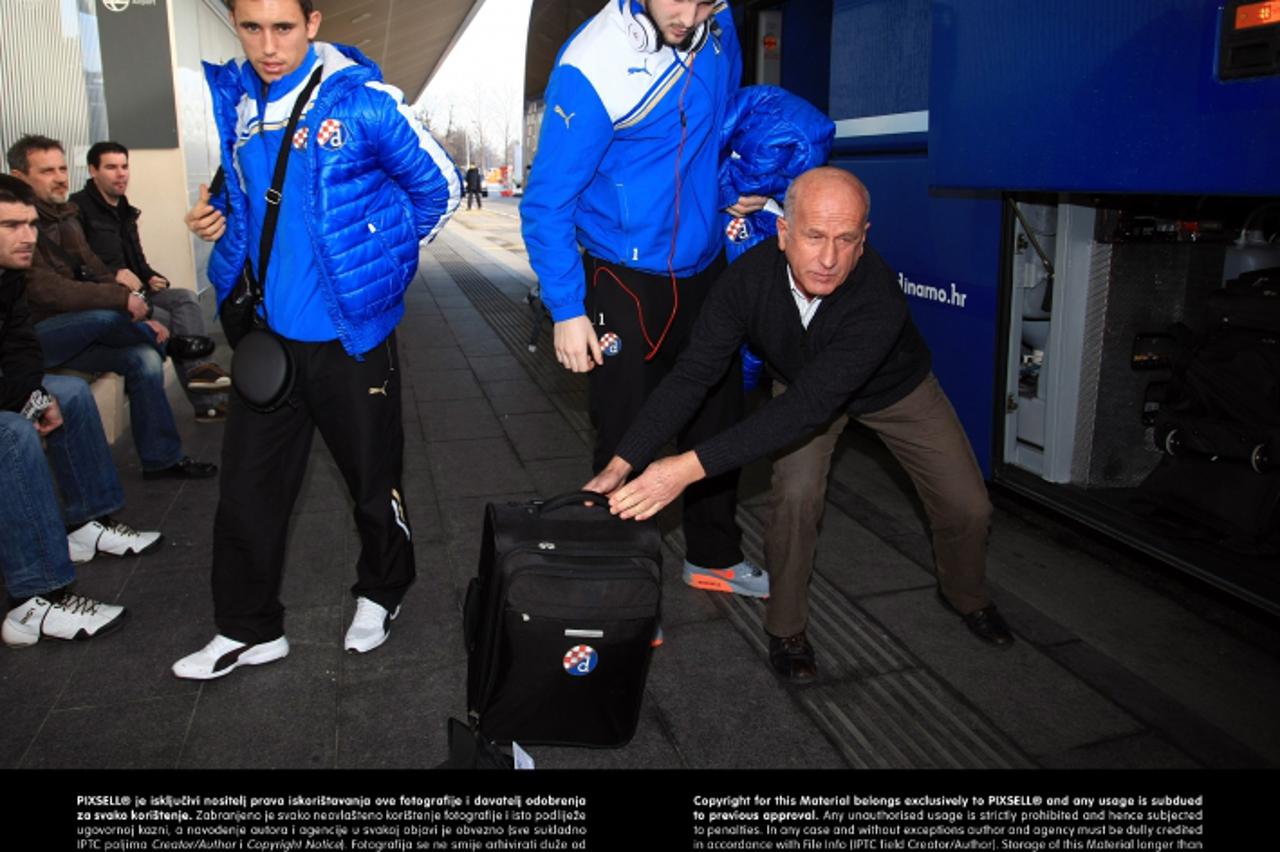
545, 546
601, 574
583, 555
570, 632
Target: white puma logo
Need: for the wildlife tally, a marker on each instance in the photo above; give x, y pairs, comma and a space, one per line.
382, 390
397, 507
567, 118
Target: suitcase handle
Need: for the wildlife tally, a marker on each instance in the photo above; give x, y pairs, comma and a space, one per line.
574, 498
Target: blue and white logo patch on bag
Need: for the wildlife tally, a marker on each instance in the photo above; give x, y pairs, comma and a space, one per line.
580, 660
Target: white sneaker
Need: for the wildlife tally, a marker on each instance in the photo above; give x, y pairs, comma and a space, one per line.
72, 617
370, 627
110, 537
223, 656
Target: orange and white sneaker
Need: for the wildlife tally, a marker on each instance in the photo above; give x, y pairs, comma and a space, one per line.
741, 579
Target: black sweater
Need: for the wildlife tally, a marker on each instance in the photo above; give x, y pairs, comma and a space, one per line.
21, 361
861, 353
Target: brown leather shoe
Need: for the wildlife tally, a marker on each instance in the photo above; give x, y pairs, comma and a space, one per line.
208, 377
792, 657
986, 623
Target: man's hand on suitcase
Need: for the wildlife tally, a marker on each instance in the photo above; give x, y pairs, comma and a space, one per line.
661, 482
608, 480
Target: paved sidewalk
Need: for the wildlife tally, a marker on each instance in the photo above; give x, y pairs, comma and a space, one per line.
1119, 664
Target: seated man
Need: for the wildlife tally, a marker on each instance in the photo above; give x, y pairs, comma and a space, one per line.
87, 321
826, 314
110, 225
36, 552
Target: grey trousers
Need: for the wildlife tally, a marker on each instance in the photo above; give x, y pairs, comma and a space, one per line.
925, 436
178, 309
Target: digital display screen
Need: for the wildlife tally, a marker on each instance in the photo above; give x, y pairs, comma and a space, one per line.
1258, 14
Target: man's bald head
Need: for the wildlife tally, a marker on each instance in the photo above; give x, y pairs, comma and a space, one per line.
827, 179
823, 230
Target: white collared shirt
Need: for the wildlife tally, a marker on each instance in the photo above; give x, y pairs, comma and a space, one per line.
806, 306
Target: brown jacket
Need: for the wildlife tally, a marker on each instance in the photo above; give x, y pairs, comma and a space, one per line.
52, 285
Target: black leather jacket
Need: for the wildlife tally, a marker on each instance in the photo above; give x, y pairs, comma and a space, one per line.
112, 232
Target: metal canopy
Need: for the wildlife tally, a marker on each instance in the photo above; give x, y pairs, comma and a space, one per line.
409, 39
551, 22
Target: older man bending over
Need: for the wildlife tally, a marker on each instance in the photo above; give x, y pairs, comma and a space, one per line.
826, 314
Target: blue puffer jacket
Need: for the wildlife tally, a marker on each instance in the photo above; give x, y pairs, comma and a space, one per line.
769, 138
374, 190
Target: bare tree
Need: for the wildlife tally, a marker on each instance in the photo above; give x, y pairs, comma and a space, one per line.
481, 129
441, 121
510, 126
482, 104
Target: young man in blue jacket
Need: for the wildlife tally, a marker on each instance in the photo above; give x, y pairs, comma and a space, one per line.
365, 183
627, 167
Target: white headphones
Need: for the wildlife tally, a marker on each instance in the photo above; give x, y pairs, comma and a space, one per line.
645, 37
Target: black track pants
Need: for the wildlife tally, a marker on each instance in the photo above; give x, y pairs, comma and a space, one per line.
356, 405
620, 387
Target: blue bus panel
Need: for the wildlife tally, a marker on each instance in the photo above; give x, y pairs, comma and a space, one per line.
946, 250
1095, 96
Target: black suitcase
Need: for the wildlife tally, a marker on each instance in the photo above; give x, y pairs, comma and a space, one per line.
560, 621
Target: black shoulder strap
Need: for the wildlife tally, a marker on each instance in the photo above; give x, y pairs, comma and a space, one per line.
275, 195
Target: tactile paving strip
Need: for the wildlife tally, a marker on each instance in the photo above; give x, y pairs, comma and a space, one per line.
513, 323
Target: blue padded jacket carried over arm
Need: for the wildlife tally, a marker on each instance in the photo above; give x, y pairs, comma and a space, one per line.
770, 138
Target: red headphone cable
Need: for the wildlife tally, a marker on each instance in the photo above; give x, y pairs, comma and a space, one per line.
675, 289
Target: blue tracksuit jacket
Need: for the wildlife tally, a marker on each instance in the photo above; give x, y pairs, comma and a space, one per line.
623, 128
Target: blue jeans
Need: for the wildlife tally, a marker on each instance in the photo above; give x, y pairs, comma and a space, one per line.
67, 335
114, 347
33, 546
